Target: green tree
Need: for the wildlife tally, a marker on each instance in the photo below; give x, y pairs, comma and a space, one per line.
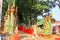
27, 8
24, 8
40, 6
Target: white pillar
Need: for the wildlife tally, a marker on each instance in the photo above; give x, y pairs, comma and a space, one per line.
0, 11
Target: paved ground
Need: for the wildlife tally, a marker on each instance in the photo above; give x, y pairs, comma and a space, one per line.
40, 38
48, 37
24, 36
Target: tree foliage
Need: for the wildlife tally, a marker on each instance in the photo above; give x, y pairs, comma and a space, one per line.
27, 8
42, 5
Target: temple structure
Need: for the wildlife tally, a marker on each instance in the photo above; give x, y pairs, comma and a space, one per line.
10, 19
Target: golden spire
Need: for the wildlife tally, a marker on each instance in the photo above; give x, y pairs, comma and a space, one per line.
50, 14
8, 10
14, 2
8, 5
13, 7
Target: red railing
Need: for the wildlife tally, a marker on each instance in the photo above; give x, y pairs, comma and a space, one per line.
23, 29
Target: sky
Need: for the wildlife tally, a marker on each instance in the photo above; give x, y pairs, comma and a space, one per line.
56, 13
